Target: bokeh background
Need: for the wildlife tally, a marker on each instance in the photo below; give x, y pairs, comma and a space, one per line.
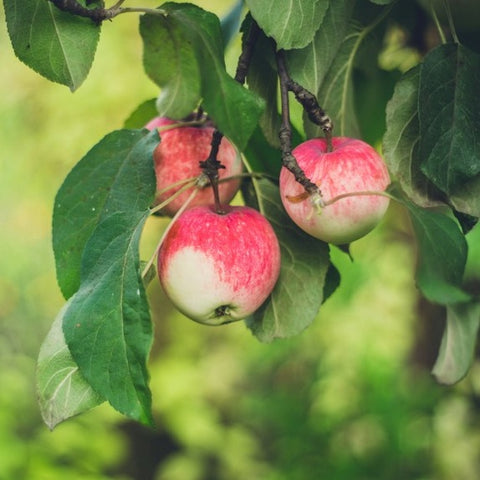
350, 398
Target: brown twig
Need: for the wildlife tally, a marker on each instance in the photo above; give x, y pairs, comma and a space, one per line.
309, 101
97, 15
247, 52
285, 134
210, 168
211, 165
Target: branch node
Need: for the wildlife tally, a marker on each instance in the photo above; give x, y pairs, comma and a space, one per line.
210, 168
285, 134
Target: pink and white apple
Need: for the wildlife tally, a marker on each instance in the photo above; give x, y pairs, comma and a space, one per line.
219, 268
177, 158
351, 167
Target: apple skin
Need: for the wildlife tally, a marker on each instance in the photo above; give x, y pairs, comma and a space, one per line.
219, 268
351, 166
177, 158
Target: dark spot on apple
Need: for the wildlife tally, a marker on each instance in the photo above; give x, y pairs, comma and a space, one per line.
222, 311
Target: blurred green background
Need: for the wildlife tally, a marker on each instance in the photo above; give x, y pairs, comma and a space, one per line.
350, 398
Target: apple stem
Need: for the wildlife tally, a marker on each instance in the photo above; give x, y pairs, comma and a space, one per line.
210, 168
188, 184
191, 180
211, 165
358, 194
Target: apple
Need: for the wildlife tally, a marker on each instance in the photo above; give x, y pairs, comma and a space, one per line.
217, 268
177, 158
351, 168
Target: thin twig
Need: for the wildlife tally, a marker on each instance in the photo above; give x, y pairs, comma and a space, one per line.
159, 207
247, 52
211, 165
359, 194
210, 168
285, 134
309, 101
451, 23
99, 14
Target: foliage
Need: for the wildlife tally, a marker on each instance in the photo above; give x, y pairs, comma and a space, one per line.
429, 144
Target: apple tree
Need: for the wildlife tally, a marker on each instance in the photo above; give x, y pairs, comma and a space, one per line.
307, 70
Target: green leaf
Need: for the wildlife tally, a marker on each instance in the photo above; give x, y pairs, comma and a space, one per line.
264, 158
62, 389
336, 92
458, 343
115, 175
472, 268
169, 60
332, 281
442, 255
142, 114
449, 113
467, 200
401, 152
57, 45
325, 66
261, 156
262, 79
107, 325
309, 65
234, 109
401, 139
230, 23
291, 24
373, 90
299, 292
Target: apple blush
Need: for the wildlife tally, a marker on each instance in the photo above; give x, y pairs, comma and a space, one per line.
352, 168
217, 268
177, 158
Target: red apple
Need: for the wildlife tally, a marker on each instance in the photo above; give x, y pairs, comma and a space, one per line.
352, 166
177, 158
218, 268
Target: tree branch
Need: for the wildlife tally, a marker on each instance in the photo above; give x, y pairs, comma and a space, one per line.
285, 134
210, 168
247, 52
211, 165
309, 101
97, 15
